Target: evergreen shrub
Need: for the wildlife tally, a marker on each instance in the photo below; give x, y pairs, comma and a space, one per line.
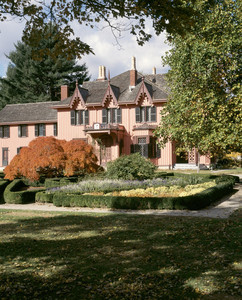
14, 195
129, 167
193, 202
3, 184
42, 197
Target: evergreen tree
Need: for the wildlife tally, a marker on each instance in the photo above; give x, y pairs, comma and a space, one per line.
32, 79
204, 108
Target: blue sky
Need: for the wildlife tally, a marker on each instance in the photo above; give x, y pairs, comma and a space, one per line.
116, 58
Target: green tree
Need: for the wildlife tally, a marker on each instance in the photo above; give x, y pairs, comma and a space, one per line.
30, 79
169, 15
204, 107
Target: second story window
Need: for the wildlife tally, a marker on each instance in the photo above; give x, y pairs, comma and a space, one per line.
111, 115
79, 117
55, 129
145, 114
4, 131
22, 131
39, 129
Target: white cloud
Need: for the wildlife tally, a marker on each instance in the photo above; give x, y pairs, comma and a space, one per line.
10, 33
119, 60
103, 43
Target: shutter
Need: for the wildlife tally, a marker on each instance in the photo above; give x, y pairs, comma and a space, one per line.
132, 148
86, 117
146, 150
36, 130
158, 151
153, 114
119, 116
43, 129
137, 148
73, 115
150, 151
137, 114
19, 131
104, 116
1, 132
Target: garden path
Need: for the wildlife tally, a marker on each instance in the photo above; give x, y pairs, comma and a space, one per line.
223, 209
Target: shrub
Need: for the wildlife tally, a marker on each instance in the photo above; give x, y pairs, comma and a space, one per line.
131, 167
3, 184
43, 197
14, 195
49, 157
192, 202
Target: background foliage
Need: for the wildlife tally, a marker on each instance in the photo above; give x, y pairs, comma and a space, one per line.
204, 108
32, 77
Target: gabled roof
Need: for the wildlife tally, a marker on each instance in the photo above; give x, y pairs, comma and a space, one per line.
28, 112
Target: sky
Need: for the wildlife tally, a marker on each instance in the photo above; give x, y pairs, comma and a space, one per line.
116, 58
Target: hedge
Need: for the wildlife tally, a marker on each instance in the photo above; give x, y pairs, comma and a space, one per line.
13, 195
194, 202
43, 197
3, 184
60, 181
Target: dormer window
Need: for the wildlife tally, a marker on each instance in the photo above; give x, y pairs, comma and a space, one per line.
79, 117
111, 115
145, 114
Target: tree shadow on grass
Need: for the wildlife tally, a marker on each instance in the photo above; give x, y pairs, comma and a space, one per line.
68, 256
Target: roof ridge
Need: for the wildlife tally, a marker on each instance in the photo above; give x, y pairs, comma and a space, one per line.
27, 103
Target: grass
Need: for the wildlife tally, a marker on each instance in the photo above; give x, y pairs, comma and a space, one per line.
50, 255
212, 172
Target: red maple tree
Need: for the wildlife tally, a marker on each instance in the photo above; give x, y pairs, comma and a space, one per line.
49, 157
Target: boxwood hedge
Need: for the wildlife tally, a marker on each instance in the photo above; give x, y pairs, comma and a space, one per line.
3, 184
43, 197
14, 195
193, 202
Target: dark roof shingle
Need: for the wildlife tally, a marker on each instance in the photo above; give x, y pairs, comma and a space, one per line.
29, 112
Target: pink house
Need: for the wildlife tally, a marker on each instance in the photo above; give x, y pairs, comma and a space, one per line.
117, 116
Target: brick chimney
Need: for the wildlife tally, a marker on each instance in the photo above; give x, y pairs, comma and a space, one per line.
133, 74
102, 73
154, 71
64, 92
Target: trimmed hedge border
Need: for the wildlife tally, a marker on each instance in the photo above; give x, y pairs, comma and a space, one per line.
57, 182
3, 184
12, 195
42, 197
193, 202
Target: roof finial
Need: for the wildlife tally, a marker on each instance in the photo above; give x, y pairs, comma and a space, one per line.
108, 75
76, 82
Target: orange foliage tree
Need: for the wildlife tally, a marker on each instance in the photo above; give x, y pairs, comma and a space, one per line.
49, 157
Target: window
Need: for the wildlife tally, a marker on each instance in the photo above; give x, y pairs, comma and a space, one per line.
145, 114
147, 147
55, 129
22, 131
4, 157
40, 130
4, 131
18, 149
79, 117
111, 115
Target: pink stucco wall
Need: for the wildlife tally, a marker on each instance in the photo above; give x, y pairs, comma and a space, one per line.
68, 132
14, 142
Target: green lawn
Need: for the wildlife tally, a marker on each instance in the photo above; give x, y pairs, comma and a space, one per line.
47, 255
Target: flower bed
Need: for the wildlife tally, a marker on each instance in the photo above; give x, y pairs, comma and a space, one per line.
183, 192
